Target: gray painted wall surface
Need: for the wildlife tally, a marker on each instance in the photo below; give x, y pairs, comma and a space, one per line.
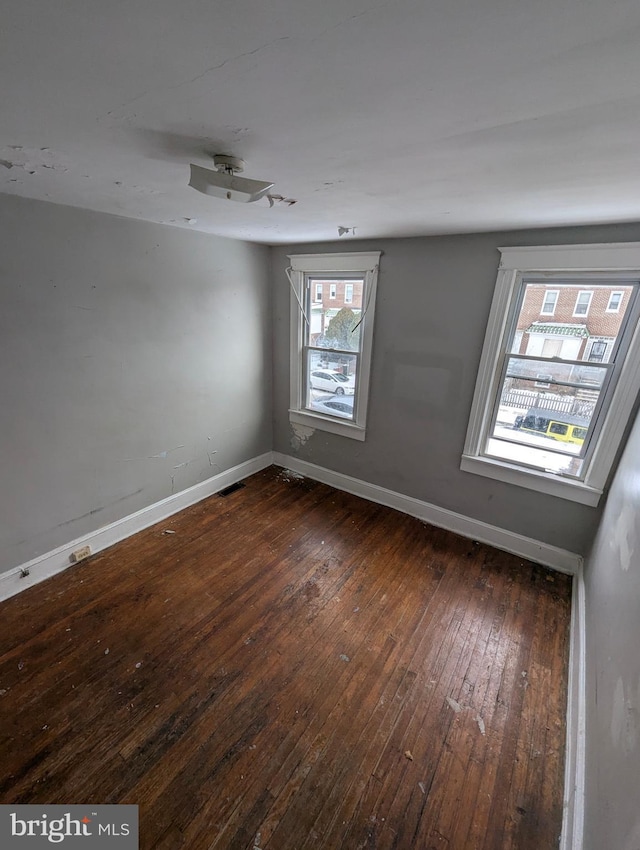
434, 296
136, 360
612, 589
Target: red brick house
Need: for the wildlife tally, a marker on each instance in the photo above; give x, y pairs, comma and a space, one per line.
575, 322
328, 297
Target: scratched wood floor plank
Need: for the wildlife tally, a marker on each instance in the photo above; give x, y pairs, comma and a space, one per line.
294, 668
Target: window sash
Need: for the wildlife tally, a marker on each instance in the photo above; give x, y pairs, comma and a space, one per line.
584, 453
309, 283
305, 389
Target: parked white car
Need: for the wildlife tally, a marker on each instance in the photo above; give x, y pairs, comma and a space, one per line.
332, 382
341, 406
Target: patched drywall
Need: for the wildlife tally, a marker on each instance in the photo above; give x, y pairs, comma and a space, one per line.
136, 363
300, 435
612, 584
434, 296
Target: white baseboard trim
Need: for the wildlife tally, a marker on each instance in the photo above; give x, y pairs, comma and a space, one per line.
47, 565
517, 544
575, 757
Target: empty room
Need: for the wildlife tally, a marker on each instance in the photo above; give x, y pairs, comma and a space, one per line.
320, 458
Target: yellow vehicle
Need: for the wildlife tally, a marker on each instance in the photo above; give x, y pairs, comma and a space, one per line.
550, 423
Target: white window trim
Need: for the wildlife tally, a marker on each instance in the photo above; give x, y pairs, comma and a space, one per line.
318, 299
348, 290
615, 309
366, 264
333, 291
555, 292
575, 307
616, 260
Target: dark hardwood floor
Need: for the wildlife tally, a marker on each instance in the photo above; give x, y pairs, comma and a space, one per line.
294, 668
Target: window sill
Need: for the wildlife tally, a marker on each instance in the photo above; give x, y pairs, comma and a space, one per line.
323, 423
574, 491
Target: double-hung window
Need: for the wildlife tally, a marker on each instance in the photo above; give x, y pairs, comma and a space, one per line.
331, 344
615, 300
549, 303
583, 302
550, 409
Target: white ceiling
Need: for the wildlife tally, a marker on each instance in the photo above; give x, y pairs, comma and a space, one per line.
398, 118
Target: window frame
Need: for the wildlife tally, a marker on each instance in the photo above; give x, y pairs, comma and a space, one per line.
615, 261
355, 265
348, 293
319, 289
333, 291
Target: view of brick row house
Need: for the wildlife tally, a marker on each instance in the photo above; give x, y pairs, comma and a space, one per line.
328, 297
574, 322
565, 326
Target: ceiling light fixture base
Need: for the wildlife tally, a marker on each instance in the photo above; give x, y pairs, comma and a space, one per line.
228, 164
224, 182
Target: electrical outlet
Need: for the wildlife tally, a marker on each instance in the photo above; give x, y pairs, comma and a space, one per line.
80, 554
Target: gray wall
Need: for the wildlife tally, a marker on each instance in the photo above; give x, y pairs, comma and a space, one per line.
136, 361
612, 590
434, 296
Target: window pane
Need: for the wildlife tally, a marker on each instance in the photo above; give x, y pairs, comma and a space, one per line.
537, 427
535, 456
581, 312
554, 372
331, 383
334, 321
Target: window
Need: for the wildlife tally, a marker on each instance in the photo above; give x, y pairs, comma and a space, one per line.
558, 428
348, 293
318, 293
583, 301
615, 300
549, 302
331, 345
552, 419
543, 381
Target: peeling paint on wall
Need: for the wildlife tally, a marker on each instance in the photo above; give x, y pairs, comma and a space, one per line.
300, 435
